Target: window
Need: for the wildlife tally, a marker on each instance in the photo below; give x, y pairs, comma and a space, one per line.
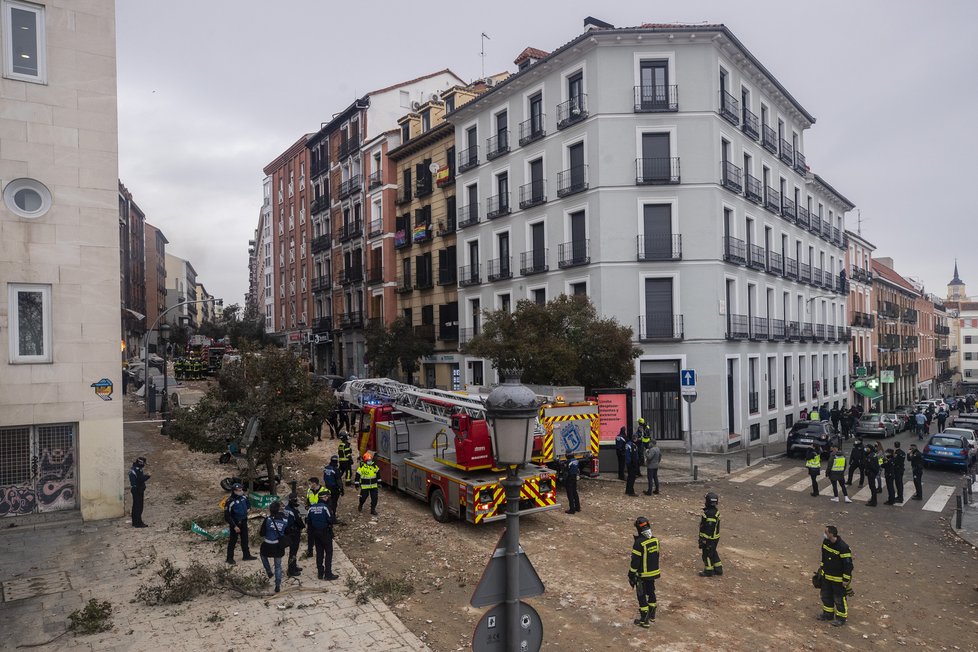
23, 36
967, 339
426, 120
539, 296
505, 303
405, 132
30, 323
449, 104
578, 289
27, 198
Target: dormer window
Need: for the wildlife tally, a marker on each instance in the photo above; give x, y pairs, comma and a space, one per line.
426, 120
405, 132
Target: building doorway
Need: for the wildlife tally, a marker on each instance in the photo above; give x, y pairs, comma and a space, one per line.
660, 400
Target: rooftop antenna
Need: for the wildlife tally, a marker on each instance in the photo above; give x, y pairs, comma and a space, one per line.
859, 222
485, 37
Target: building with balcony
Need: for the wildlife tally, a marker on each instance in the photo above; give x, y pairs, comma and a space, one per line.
896, 334
861, 319
944, 348
926, 341
354, 213
706, 231
181, 286
155, 247
132, 255
61, 440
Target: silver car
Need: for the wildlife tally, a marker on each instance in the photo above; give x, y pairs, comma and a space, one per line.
875, 425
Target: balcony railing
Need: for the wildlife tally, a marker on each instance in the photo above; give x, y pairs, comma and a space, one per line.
804, 272
862, 320
533, 129
423, 280
860, 274
404, 194
499, 269
469, 275
533, 193
758, 257
497, 206
942, 330
533, 262
942, 354
787, 394
574, 253
656, 99
803, 219
844, 333
320, 284
775, 263
754, 189
889, 342
425, 332
351, 320
793, 331
468, 215
448, 332
752, 403
807, 331
729, 108
350, 186
572, 111
448, 226
738, 327
497, 145
376, 227
465, 335
656, 171
422, 186
660, 247
909, 316
791, 268
787, 153
468, 158
375, 180
321, 243
772, 200
322, 324
820, 332
734, 250
731, 176
889, 310
777, 330
788, 208
375, 275
654, 327
447, 276
801, 392
760, 328
319, 204
817, 276
751, 126
351, 275
769, 139
910, 342
800, 166
351, 230
841, 285
572, 181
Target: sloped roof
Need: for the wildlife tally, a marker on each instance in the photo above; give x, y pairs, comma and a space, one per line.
891, 276
529, 53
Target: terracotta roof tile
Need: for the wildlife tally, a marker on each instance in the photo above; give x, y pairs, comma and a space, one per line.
530, 53
892, 276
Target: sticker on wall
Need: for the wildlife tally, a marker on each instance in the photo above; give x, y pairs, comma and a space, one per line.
103, 389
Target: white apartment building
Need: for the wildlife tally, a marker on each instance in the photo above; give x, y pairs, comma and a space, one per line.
660, 170
862, 309
61, 444
181, 286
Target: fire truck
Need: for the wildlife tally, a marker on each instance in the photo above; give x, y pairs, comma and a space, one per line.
435, 445
568, 428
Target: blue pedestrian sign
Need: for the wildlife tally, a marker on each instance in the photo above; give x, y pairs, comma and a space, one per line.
687, 378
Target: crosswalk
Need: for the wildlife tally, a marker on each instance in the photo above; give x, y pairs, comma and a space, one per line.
795, 478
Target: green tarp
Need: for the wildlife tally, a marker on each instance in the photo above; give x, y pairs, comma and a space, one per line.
869, 393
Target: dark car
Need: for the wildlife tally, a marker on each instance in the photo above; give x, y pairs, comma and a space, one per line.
328, 380
806, 435
964, 421
905, 412
950, 449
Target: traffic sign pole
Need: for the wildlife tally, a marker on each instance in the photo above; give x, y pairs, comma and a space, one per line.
687, 385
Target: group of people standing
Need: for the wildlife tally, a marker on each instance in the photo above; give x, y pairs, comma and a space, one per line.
874, 464
635, 452
843, 419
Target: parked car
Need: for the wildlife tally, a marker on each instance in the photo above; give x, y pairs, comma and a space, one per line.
806, 435
876, 425
969, 436
899, 425
945, 449
965, 421
905, 412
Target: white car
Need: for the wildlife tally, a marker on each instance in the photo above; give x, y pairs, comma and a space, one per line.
969, 436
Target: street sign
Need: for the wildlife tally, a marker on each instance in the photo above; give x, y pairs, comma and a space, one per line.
490, 633
886, 376
492, 587
687, 382
689, 397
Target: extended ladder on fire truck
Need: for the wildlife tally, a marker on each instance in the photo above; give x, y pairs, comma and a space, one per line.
431, 404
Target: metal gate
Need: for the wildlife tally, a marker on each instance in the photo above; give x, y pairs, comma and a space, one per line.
37, 469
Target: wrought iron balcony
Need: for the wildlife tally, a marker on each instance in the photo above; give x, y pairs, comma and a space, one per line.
447, 227
909, 316
469, 275
425, 332
375, 275
497, 145
844, 333
777, 330
819, 332
775, 263
826, 231
793, 331
351, 275
533, 129
404, 194
404, 284
351, 320
942, 354
804, 272
729, 108
942, 330
574, 253
888, 310
889, 342
862, 320
468, 159
572, 111
656, 171
447, 276
497, 206
837, 237
787, 153
800, 166
320, 284
753, 189
787, 394
758, 257
468, 215
760, 328
499, 269
769, 139
319, 204
572, 181
424, 235
791, 268
322, 324
465, 335
860, 274
738, 327
659, 327
803, 219
659, 247
351, 230
448, 332
422, 186
801, 392
910, 342
402, 238
911, 368
321, 243
423, 280
375, 180
656, 99
788, 208
533, 193
734, 250
731, 176
817, 276
534, 262
772, 200
752, 125
841, 285
807, 331
752, 403
376, 227
352, 185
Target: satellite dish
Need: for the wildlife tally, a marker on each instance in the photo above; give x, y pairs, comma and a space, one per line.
433, 168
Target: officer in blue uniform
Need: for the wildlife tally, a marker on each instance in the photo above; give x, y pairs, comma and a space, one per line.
236, 516
620, 451
320, 520
137, 485
273, 541
331, 480
293, 531
570, 483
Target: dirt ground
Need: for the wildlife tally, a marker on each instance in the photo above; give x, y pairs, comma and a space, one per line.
915, 586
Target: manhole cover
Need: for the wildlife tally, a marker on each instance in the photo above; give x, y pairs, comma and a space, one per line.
29, 587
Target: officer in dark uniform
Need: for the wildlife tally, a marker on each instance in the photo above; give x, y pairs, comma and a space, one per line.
320, 521
316, 494
710, 537
872, 474
899, 465
293, 531
331, 480
856, 460
570, 483
620, 451
916, 471
643, 570
631, 464
813, 463
888, 476
137, 485
835, 573
236, 516
345, 456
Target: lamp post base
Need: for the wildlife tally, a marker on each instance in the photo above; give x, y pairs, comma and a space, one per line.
512, 486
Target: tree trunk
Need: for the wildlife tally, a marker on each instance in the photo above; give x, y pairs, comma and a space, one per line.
270, 469
252, 471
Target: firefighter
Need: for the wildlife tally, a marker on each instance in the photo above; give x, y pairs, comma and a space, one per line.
813, 462
178, 368
344, 455
293, 531
710, 537
314, 496
872, 474
857, 459
366, 481
631, 463
643, 570
620, 451
837, 474
835, 575
573, 472
331, 480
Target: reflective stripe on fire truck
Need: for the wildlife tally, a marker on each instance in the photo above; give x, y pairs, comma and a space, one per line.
531, 491
484, 510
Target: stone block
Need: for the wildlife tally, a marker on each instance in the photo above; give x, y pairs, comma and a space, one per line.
55, 96
50, 134
99, 140
12, 130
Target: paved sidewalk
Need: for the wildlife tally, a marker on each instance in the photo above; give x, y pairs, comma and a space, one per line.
969, 520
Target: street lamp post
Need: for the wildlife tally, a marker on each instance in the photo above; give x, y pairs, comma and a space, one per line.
510, 409
164, 338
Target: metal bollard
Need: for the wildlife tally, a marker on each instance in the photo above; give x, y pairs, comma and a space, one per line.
696, 472
957, 513
764, 451
964, 495
748, 456
728, 466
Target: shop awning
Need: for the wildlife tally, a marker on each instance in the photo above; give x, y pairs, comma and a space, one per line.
869, 393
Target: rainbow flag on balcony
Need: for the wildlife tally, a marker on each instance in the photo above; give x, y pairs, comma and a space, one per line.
420, 232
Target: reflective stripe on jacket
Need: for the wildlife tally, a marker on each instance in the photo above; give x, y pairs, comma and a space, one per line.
710, 524
839, 463
814, 462
368, 475
645, 558
836, 561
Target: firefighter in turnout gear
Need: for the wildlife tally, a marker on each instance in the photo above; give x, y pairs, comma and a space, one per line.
710, 537
643, 570
835, 573
366, 480
344, 455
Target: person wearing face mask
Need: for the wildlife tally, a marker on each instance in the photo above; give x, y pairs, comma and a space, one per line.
236, 516
643, 571
834, 576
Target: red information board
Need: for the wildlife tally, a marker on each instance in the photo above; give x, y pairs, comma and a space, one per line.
615, 407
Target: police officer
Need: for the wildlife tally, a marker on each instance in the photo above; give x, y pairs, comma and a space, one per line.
137, 485
837, 474
273, 539
857, 458
710, 537
573, 472
315, 495
320, 522
813, 462
620, 451
643, 570
916, 471
899, 465
331, 480
345, 456
236, 516
872, 474
888, 475
631, 464
643, 435
366, 480
293, 530
835, 573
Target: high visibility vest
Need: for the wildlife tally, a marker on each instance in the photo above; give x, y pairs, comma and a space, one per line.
813, 416
313, 497
368, 475
343, 452
815, 462
839, 463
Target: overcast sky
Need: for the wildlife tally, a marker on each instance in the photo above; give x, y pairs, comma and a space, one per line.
210, 91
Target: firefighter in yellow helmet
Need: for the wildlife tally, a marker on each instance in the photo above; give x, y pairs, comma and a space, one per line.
367, 481
643, 571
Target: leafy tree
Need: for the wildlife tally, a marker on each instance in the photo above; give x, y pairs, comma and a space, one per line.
393, 346
269, 385
561, 343
238, 326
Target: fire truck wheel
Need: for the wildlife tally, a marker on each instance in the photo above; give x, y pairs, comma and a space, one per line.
438, 507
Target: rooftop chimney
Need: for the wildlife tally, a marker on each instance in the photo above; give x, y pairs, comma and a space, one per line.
885, 261
593, 23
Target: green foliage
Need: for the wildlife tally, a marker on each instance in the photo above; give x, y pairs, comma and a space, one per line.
93, 618
561, 343
395, 345
389, 589
241, 327
182, 585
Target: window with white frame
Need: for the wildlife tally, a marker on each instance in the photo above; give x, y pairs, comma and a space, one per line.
23, 38
29, 311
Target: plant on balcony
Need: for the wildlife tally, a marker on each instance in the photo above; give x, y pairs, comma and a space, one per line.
561, 343
395, 345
